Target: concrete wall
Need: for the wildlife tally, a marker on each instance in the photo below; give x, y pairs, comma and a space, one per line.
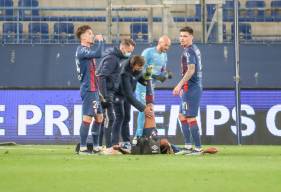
54, 66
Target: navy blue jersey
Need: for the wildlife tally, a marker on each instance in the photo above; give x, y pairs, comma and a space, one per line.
192, 55
86, 67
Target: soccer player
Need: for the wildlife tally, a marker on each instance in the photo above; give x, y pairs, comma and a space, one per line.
86, 68
108, 73
190, 89
157, 58
131, 73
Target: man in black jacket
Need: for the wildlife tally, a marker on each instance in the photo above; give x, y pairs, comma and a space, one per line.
108, 74
131, 73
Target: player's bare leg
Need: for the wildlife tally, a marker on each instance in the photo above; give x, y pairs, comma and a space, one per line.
149, 123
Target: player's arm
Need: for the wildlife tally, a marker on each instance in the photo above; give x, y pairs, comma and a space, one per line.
164, 67
128, 92
142, 81
164, 74
147, 58
85, 53
188, 74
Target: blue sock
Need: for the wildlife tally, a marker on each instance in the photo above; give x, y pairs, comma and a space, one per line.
195, 133
95, 133
186, 132
140, 95
84, 131
140, 124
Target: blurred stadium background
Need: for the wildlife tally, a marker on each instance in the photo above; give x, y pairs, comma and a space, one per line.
39, 89
41, 21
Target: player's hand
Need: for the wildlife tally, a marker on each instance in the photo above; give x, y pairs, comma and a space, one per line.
169, 74
148, 73
177, 90
181, 93
150, 105
107, 101
148, 111
163, 76
99, 37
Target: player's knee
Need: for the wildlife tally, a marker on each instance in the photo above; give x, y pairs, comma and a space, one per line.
99, 118
181, 117
191, 121
87, 119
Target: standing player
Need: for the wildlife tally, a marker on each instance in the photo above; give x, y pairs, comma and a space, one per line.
86, 68
190, 89
157, 58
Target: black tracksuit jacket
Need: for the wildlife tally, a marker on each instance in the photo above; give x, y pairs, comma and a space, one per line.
128, 82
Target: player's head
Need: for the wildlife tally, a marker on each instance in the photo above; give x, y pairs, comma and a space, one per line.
85, 34
127, 46
164, 43
137, 63
186, 36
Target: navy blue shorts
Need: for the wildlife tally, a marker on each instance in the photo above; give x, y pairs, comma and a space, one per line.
190, 101
91, 104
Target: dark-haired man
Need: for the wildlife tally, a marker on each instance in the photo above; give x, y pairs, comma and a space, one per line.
131, 73
86, 68
190, 89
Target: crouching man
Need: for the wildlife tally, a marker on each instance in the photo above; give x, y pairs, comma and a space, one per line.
131, 73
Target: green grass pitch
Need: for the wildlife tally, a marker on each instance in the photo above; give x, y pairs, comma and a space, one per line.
55, 168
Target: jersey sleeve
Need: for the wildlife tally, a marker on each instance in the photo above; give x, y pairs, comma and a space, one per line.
85, 53
190, 57
146, 54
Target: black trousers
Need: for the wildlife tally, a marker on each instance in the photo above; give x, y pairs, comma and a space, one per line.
109, 118
106, 130
122, 110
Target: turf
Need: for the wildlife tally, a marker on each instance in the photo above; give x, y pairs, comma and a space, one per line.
56, 168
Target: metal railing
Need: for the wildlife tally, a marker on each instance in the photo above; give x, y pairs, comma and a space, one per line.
141, 22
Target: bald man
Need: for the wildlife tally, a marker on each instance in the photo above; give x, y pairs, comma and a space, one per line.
157, 58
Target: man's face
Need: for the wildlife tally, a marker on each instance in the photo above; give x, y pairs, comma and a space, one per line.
137, 68
88, 36
185, 39
164, 45
127, 50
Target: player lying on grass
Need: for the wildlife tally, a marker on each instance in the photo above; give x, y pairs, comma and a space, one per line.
146, 147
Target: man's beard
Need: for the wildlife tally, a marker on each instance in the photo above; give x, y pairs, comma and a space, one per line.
136, 73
